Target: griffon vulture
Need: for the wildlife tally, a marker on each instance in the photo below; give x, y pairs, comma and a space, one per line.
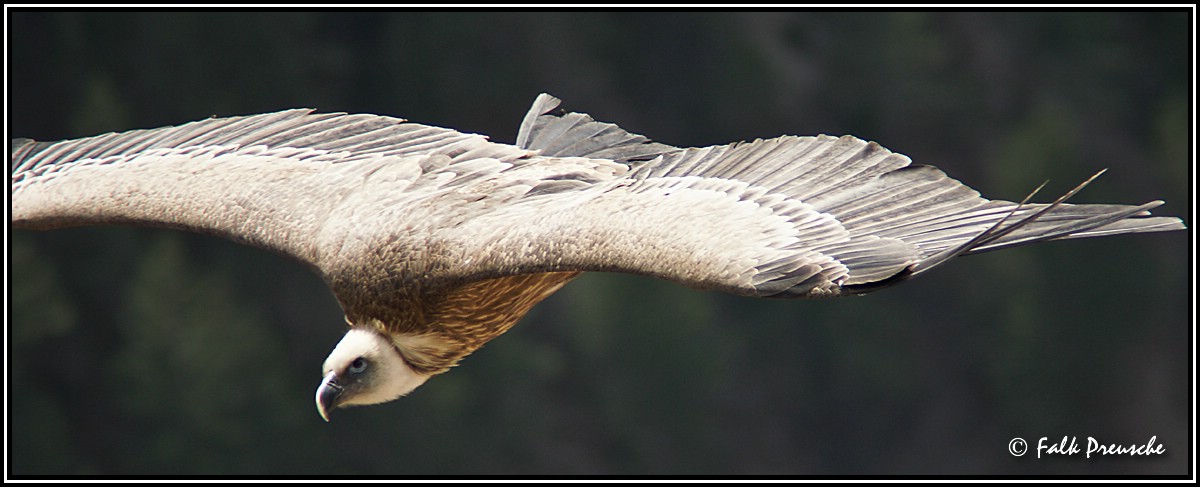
436, 241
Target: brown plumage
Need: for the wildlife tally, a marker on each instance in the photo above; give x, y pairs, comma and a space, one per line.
436, 242
461, 319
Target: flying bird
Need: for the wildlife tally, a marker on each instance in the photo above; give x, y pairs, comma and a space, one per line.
435, 241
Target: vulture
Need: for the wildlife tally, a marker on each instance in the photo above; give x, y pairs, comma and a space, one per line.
435, 241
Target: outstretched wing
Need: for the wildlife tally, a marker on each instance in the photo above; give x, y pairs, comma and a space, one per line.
382, 206
269, 180
785, 217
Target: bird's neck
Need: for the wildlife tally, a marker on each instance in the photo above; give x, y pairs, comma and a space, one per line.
434, 330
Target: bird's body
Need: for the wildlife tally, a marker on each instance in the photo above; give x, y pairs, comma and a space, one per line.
438, 241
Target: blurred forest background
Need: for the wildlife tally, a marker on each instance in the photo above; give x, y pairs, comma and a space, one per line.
138, 351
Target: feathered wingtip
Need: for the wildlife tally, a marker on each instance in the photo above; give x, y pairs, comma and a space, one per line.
1080, 221
1053, 221
998, 230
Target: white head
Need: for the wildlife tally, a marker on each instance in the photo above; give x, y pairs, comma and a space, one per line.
364, 368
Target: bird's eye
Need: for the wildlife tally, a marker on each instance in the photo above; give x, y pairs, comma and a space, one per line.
358, 365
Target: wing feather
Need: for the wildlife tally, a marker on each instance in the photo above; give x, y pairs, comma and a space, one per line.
578, 135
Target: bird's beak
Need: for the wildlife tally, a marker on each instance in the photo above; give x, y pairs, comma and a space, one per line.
328, 395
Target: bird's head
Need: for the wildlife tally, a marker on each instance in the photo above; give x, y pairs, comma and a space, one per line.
364, 368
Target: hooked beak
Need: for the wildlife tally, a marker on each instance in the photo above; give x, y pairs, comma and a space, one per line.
328, 395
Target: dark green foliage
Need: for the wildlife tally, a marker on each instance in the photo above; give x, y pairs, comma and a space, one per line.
136, 351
